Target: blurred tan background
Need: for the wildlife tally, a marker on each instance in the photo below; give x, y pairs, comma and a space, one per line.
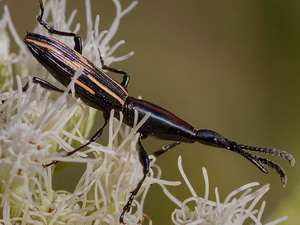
231, 66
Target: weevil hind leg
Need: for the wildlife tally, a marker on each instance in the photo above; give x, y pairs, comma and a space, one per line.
44, 84
77, 39
144, 160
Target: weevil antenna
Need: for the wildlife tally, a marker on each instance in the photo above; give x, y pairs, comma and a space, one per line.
214, 139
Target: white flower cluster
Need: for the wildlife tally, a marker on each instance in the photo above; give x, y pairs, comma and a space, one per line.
32, 125
238, 207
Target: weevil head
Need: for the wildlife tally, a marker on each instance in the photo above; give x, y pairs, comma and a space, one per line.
214, 139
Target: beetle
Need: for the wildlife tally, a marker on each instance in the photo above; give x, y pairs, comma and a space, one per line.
98, 90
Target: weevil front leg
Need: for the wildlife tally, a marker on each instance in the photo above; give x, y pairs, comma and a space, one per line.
144, 160
166, 148
77, 39
92, 139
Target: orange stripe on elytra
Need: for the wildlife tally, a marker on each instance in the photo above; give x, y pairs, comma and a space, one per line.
113, 94
44, 45
85, 87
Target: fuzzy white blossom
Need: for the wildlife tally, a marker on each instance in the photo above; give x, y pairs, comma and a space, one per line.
238, 207
37, 124
34, 124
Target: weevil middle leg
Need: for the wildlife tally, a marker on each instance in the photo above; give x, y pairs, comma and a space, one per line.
92, 139
126, 77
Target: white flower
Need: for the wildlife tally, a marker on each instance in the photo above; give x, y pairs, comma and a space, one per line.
237, 208
34, 124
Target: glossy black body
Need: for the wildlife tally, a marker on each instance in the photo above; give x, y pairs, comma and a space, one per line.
100, 91
62, 62
161, 124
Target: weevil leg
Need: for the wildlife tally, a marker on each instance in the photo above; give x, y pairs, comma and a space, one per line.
166, 148
45, 84
144, 160
126, 77
77, 39
92, 139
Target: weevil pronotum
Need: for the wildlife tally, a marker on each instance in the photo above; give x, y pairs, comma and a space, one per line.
100, 91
